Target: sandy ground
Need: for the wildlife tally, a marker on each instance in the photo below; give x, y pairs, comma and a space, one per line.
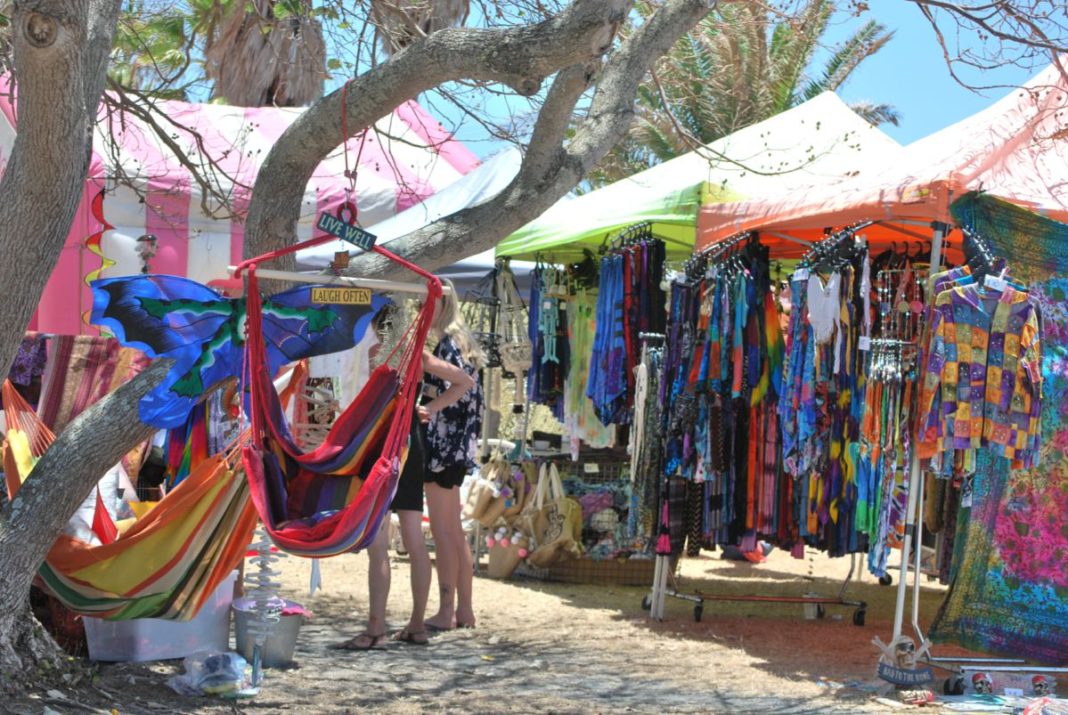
560, 648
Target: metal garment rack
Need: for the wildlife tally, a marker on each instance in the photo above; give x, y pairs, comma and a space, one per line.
664, 572
654, 602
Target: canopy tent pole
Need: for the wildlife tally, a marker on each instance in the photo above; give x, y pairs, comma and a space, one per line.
381, 286
915, 474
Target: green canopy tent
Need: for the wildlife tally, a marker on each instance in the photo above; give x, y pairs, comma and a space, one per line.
820, 139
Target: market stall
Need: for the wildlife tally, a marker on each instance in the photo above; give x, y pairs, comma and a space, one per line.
596, 293
877, 336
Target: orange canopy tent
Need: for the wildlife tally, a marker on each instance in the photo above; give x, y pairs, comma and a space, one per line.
1016, 149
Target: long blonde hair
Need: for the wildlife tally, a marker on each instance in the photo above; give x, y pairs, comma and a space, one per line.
450, 321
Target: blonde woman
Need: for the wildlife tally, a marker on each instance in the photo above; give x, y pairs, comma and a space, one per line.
408, 505
451, 445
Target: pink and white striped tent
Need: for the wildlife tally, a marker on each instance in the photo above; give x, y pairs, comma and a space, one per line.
148, 190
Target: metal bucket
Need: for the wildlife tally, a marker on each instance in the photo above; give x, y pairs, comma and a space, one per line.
282, 641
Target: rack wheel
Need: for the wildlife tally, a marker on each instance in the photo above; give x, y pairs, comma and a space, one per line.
820, 610
858, 617
647, 603
886, 579
698, 611
953, 685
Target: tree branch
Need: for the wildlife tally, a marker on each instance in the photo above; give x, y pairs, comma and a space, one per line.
518, 57
89, 446
549, 170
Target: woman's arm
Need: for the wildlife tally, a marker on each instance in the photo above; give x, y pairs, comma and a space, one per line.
459, 382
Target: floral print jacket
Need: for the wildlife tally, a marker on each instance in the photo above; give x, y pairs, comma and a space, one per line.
452, 435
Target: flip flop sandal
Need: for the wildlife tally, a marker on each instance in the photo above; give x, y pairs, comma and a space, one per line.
364, 641
411, 637
436, 629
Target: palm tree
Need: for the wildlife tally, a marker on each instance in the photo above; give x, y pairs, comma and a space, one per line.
737, 68
268, 52
398, 23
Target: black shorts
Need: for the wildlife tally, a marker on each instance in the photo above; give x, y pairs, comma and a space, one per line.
447, 478
409, 496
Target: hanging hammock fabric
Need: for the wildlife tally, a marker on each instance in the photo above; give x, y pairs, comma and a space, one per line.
332, 499
165, 565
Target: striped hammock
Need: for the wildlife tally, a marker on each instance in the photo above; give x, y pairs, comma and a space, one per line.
332, 499
165, 565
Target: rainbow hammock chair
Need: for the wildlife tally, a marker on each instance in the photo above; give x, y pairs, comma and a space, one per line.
167, 563
332, 500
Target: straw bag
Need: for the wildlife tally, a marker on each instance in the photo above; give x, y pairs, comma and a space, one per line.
554, 521
501, 491
506, 554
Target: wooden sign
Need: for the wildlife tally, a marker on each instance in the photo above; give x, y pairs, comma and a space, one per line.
341, 295
350, 233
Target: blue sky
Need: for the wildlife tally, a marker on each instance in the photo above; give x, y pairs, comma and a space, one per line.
911, 74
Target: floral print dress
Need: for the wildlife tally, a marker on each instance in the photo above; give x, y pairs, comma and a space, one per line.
452, 434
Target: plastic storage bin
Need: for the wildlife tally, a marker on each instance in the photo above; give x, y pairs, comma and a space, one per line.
143, 639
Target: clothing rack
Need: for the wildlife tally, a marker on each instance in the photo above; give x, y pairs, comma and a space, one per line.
641, 231
835, 248
665, 579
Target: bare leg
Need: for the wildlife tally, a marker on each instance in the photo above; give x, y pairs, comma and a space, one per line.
439, 503
411, 523
378, 580
465, 571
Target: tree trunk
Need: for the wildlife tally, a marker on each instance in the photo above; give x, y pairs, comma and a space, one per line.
94, 442
24, 643
571, 45
61, 50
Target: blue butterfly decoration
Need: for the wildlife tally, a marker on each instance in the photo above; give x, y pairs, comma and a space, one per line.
204, 333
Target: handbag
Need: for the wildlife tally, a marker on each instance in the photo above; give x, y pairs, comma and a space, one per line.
501, 491
555, 521
506, 554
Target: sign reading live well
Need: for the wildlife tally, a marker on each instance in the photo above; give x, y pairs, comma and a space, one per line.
347, 232
339, 295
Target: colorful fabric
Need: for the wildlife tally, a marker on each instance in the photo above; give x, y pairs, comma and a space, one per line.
1009, 589
30, 360
81, 370
203, 332
332, 499
453, 433
580, 419
984, 360
167, 564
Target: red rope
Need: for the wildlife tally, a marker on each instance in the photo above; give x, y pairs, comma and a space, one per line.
349, 174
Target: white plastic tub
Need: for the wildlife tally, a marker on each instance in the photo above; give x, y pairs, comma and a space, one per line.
143, 639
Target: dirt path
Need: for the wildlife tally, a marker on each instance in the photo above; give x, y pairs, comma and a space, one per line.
542, 647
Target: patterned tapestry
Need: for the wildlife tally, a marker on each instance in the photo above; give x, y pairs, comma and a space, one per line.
1009, 591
